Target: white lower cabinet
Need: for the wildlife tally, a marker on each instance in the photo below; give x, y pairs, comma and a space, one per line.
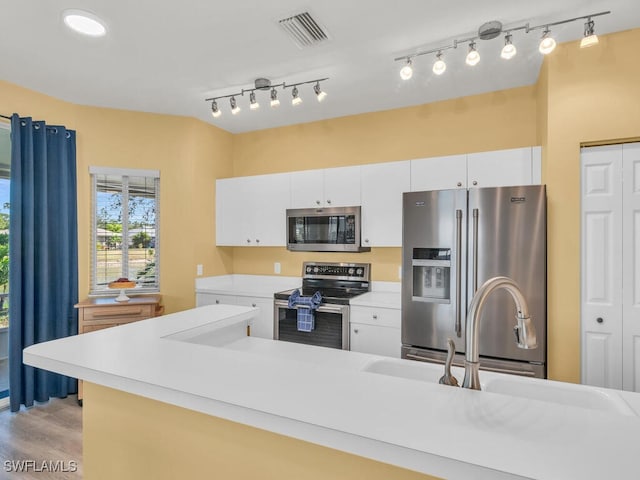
262, 325
375, 330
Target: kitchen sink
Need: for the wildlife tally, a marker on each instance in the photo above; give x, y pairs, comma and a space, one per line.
582, 396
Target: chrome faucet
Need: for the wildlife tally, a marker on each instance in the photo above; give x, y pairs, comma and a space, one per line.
525, 331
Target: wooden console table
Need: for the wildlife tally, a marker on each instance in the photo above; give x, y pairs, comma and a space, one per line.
104, 312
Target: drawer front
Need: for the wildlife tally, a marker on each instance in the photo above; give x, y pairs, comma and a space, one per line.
215, 299
118, 313
93, 328
384, 317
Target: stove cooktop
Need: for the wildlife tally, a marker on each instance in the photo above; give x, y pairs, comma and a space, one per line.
329, 295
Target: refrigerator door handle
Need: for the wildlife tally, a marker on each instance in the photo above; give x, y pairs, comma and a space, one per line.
458, 272
475, 250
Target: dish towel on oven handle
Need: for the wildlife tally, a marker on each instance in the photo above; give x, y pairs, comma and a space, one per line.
306, 307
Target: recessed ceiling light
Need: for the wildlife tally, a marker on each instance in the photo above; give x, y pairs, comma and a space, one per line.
84, 22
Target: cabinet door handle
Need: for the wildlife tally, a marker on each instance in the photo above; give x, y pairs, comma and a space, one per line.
375, 317
329, 202
248, 240
600, 320
366, 240
253, 305
459, 184
217, 302
317, 202
257, 240
355, 330
475, 182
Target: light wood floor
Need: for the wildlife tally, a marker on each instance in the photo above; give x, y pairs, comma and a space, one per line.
48, 432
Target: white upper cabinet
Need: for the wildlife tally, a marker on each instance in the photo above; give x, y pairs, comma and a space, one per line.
250, 211
500, 168
439, 173
331, 187
307, 189
382, 187
227, 211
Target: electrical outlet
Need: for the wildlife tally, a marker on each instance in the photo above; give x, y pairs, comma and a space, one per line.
276, 267
199, 269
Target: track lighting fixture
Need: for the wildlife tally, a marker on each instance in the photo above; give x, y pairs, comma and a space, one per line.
493, 29
406, 72
509, 49
253, 104
473, 57
215, 111
264, 84
274, 98
295, 100
547, 43
235, 109
439, 66
320, 95
590, 38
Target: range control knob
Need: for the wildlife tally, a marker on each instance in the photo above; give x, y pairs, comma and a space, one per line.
359, 271
351, 271
308, 269
315, 269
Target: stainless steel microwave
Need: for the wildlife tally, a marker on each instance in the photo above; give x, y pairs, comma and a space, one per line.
334, 229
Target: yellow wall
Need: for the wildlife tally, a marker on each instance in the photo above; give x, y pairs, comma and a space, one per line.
505, 119
593, 96
189, 154
131, 438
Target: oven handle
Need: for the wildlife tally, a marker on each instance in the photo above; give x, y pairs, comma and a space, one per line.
322, 308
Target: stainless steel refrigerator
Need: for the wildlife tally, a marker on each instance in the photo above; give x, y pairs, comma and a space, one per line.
455, 240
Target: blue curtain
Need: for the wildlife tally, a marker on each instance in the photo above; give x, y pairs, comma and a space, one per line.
43, 253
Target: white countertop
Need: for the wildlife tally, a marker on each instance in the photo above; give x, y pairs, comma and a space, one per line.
323, 396
382, 295
261, 286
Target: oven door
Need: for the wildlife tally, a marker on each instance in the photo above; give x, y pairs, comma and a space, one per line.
331, 325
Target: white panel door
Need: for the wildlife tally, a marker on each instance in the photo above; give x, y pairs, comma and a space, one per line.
307, 189
439, 173
500, 168
342, 186
227, 211
631, 266
382, 187
374, 339
601, 289
270, 198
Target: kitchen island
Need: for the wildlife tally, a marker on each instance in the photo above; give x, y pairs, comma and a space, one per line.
188, 395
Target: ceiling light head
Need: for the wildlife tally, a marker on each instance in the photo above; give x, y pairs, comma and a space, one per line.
215, 111
590, 38
253, 104
439, 66
274, 98
547, 44
473, 57
406, 72
84, 22
295, 98
320, 95
235, 109
509, 49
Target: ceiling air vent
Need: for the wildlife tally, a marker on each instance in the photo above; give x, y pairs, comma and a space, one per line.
303, 30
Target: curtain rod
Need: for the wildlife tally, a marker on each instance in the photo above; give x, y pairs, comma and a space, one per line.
4, 116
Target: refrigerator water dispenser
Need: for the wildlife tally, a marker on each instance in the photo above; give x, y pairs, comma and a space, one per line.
431, 275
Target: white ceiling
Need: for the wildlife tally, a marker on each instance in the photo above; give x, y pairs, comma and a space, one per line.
167, 57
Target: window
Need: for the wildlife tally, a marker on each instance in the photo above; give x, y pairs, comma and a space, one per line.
125, 234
